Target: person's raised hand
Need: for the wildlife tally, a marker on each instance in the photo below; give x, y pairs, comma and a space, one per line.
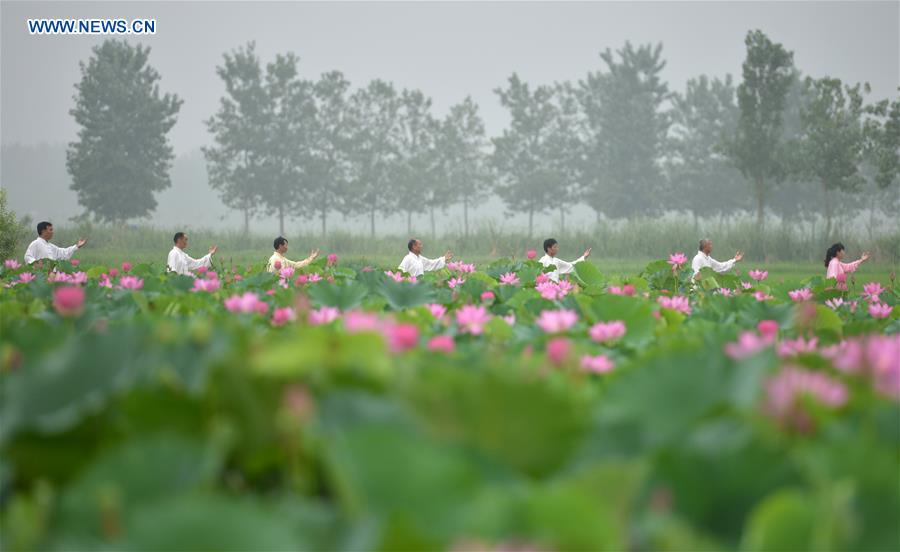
587, 252
81, 242
739, 255
213, 249
314, 253
866, 255
448, 255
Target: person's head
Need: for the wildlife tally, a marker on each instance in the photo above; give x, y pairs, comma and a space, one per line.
706, 246
180, 240
551, 246
280, 245
45, 230
415, 246
835, 251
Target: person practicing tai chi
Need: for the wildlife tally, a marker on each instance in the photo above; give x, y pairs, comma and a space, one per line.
703, 260
180, 262
278, 261
41, 248
836, 268
551, 247
415, 264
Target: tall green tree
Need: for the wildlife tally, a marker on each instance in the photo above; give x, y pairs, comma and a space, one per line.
623, 105
527, 179
417, 137
290, 126
235, 160
568, 139
756, 148
701, 179
375, 148
881, 156
462, 163
329, 166
830, 147
122, 155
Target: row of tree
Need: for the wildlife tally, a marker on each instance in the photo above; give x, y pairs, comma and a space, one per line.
617, 140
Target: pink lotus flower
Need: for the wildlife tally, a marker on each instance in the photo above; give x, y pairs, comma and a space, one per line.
11, 264
746, 285
201, 270
555, 321
872, 290
402, 337
802, 294
131, 282
331, 260
607, 331
558, 350
758, 275
550, 291
282, 316
460, 266
323, 315
361, 321
677, 303
58, 277
510, 319
880, 310
531, 254
834, 303
541, 278
762, 296
212, 275
315, 277
599, 364
472, 319
627, 290
437, 310
249, 302
768, 328
509, 279
453, 283
75, 262
301, 279
441, 344
784, 389
209, 286
883, 357
113, 272
270, 292
487, 296
725, 292
286, 272
367, 268
68, 301
238, 277
104, 281
277, 265
126, 266
799, 346
26, 277
747, 345
677, 260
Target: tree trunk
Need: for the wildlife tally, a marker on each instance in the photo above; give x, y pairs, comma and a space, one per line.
372, 222
433, 234
827, 211
562, 220
324, 211
246, 221
466, 217
409, 223
280, 220
760, 205
530, 223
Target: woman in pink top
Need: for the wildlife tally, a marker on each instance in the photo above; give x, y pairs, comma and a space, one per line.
837, 269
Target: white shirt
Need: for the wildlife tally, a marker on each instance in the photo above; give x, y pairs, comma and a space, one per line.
416, 265
42, 249
562, 267
702, 260
182, 263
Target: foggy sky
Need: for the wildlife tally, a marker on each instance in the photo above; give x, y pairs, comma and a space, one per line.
448, 50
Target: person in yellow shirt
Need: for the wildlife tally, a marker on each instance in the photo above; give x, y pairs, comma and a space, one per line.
281, 247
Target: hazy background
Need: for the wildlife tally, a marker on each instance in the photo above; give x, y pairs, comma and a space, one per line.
448, 50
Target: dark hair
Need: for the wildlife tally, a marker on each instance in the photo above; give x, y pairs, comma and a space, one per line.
832, 252
548, 243
43, 226
178, 236
704, 241
412, 242
279, 241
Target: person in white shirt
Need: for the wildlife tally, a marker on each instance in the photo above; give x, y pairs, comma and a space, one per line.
41, 248
702, 259
281, 247
415, 264
551, 247
180, 262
